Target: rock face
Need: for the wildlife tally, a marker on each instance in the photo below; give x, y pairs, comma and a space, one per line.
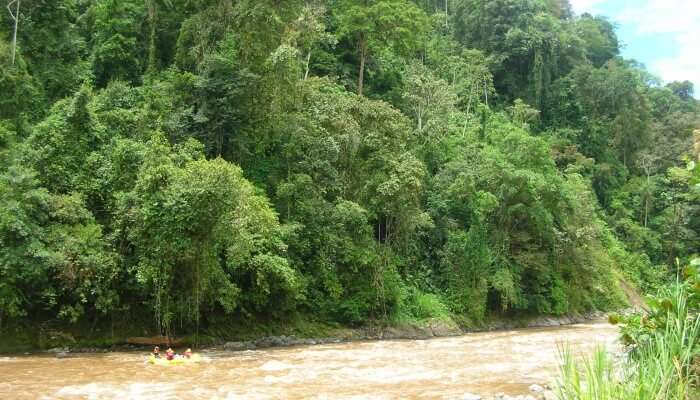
275, 341
88, 350
154, 341
239, 346
407, 332
442, 329
543, 321
433, 329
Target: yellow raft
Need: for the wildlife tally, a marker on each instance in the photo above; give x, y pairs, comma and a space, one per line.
177, 361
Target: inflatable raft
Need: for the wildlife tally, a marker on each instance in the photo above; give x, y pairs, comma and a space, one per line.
177, 361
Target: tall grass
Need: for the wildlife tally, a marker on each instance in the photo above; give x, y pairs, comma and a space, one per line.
663, 367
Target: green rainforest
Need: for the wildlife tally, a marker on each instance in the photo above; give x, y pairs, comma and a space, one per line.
184, 167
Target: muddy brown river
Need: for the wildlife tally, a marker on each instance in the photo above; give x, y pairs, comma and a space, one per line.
442, 368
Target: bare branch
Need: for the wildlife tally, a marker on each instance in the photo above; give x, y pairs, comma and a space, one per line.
15, 17
9, 5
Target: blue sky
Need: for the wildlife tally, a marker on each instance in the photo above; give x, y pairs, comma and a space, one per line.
664, 35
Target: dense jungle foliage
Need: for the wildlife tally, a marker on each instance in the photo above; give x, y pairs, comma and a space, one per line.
189, 162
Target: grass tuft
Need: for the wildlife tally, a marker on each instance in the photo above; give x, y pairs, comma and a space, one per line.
662, 368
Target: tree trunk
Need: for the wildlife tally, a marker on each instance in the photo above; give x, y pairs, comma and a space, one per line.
646, 203
15, 17
152, 38
646, 211
289, 206
471, 93
447, 16
308, 61
674, 235
363, 59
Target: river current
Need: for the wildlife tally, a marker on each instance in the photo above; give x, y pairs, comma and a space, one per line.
442, 368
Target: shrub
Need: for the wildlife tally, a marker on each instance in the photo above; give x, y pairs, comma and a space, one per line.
660, 365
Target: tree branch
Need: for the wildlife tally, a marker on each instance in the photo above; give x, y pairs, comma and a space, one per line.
9, 5
15, 17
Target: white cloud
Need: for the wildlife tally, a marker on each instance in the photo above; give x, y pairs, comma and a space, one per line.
685, 65
680, 21
582, 6
663, 16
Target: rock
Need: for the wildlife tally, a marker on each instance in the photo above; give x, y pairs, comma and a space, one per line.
407, 332
366, 334
239, 346
536, 388
278, 341
293, 342
442, 329
496, 325
424, 332
58, 350
549, 395
87, 350
61, 354
501, 396
391, 333
470, 396
266, 342
155, 341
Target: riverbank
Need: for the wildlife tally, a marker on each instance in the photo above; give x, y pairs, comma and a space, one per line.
409, 331
298, 333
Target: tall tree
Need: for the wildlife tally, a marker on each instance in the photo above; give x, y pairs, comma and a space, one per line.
15, 17
374, 24
426, 96
309, 32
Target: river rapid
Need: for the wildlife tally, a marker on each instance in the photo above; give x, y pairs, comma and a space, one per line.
442, 368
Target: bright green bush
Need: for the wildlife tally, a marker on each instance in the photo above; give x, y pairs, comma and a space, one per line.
661, 364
